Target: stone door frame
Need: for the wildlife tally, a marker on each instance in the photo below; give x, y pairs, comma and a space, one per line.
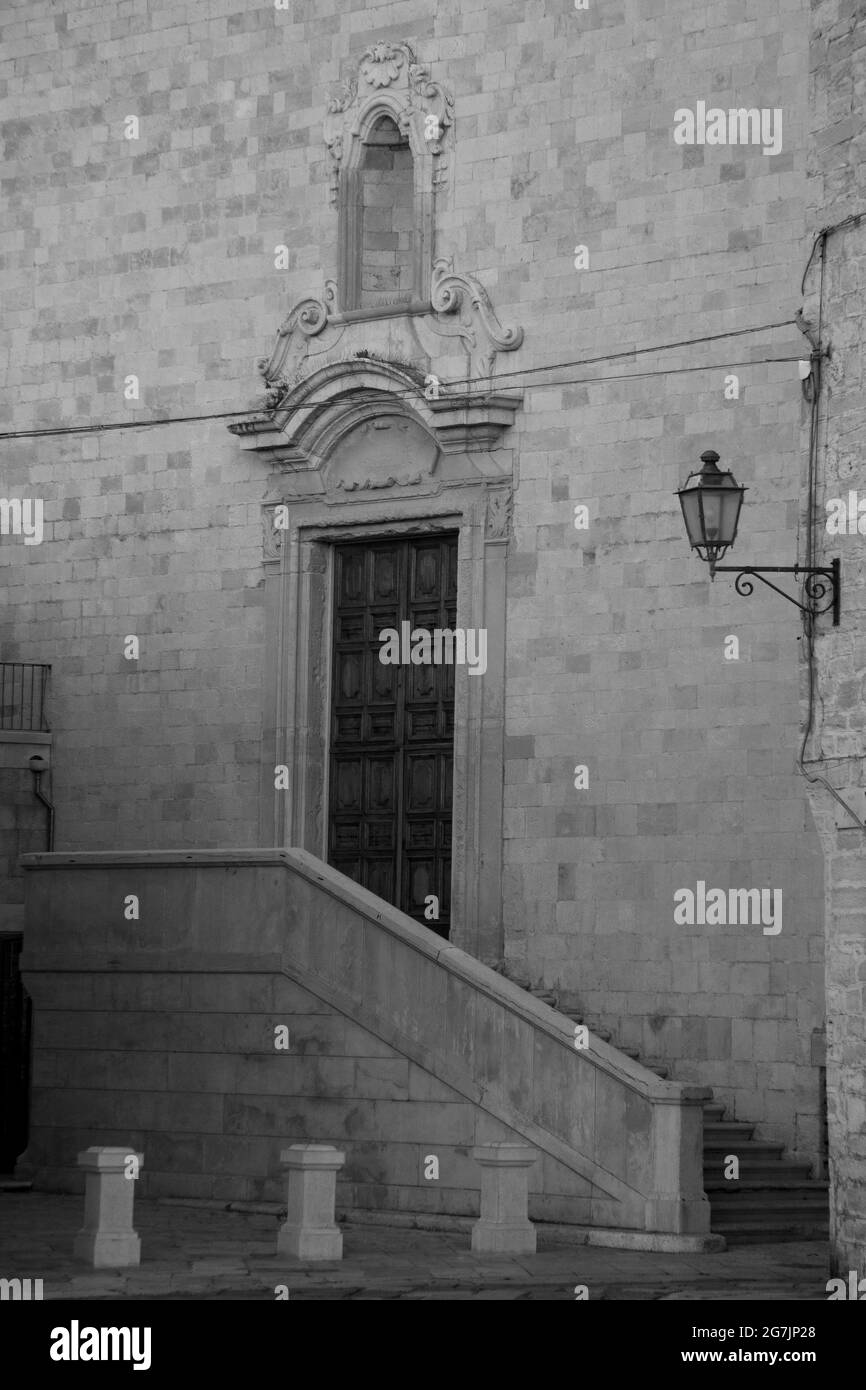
299, 614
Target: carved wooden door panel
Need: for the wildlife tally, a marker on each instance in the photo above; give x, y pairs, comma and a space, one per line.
392, 726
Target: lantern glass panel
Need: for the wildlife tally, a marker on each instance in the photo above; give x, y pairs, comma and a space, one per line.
712, 510
731, 513
692, 516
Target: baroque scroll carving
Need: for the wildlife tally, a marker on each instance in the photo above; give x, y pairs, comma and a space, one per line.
464, 310
305, 320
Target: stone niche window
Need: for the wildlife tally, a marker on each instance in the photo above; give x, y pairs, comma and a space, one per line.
388, 133
386, 220
387, 189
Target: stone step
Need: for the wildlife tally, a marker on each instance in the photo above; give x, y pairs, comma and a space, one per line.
767, 1230
770, 1169
776, 1201
719, 1132
761, 1188
744, 1148
748, 1219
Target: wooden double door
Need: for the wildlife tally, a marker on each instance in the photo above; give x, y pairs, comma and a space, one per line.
392, 726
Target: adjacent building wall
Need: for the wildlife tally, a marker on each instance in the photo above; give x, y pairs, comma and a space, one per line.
837, 192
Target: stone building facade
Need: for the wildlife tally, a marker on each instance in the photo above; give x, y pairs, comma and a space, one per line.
834, 761
485, 288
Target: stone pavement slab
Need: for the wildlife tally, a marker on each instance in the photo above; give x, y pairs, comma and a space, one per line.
193, 1253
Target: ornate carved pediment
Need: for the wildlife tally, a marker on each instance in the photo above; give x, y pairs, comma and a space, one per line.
440, 366
462, 327
388, 77
308, 421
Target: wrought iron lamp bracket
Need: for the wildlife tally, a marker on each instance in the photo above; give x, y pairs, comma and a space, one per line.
818, 582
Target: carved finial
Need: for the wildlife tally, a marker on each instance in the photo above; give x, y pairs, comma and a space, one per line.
381, 63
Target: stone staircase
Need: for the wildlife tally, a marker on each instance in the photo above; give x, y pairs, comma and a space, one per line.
389, 1043
774, 1198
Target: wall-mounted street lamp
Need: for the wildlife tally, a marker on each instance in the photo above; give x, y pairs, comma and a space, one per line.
711, 509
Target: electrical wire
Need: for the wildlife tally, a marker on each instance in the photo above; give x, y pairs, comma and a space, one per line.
51, 431
853, 220
639, 352
54, 431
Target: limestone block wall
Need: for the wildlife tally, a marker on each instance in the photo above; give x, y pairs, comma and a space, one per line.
616, 639
154, 257
837, 751
161, 1032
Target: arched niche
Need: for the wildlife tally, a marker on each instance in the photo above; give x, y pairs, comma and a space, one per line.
383, 270
385, 202
386, 122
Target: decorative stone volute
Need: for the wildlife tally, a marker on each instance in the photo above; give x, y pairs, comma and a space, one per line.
463, 309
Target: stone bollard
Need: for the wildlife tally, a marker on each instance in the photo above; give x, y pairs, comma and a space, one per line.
504, 1226
309, 1231
107, 1240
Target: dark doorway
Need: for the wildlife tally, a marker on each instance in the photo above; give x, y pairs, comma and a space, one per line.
14, 1053
392, 726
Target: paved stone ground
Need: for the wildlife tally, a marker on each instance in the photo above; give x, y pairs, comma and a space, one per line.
188, 1252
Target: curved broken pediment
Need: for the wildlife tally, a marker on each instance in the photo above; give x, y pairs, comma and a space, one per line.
310, 420
328, 371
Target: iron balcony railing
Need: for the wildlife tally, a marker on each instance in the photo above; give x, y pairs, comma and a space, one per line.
23, 687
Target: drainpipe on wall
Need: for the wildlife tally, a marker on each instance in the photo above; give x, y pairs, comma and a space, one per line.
39, 766
819, 1060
